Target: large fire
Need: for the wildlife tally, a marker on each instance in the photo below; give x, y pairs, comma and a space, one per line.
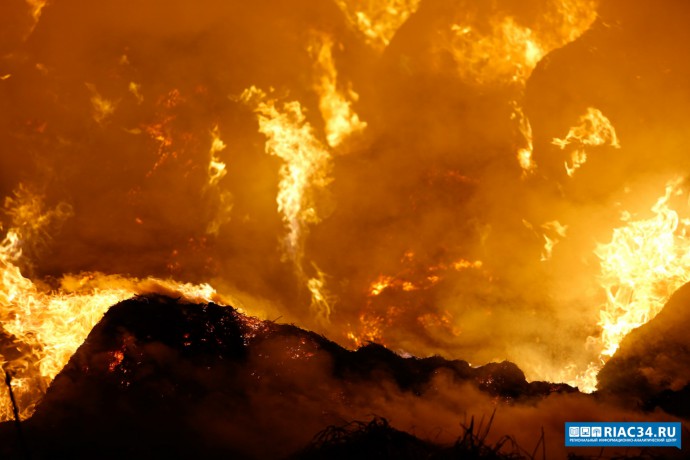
374, 170
42, 326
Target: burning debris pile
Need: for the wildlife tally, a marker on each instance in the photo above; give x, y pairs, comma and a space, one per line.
157, 376
493, 181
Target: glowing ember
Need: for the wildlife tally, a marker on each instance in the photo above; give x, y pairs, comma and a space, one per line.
381, 283
593, 130
410, 279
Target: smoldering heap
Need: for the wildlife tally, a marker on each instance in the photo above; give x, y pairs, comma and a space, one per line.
159, 377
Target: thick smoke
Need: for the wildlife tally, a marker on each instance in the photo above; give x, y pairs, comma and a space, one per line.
111, 108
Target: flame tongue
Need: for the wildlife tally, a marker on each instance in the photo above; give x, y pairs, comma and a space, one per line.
593, 130
335, 106
307, 163
41, 329
377, 21
645, 262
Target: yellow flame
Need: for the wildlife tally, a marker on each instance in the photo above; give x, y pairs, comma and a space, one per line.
306, 168
593, 130
554, 231
36, 7
321, 300
462, 264
336, 108
377, 20
102, 108
645, 262
380, 285
41, 328
305, 172
217, 169
524, 155
507, 51
413, 280
135, 90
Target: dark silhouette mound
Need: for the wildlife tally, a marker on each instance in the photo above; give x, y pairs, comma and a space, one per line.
157, 378
650, 369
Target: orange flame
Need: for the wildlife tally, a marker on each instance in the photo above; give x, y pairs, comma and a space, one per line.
645, 262
376, 20
335, 106
307, 163
593, 130
524, 155
305, 172
506, 51
217, 169
42, 328
102, 108
411, 278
